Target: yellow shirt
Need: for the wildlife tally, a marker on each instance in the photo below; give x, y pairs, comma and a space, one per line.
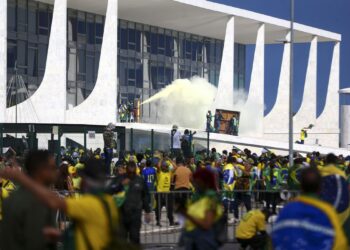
163, 181
8, 185
4, 194
199, 208
251, 223
88, 212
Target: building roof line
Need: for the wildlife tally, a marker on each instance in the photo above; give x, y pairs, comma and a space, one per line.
230, 10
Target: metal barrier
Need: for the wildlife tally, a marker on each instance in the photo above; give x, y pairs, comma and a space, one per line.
170, 226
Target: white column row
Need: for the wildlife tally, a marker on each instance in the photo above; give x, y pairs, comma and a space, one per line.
48, 103
101, 105
275, 124
225, 92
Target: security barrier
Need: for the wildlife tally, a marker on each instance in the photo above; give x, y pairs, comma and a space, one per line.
164, 207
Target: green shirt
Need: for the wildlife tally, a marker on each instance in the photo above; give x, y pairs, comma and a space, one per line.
24, 218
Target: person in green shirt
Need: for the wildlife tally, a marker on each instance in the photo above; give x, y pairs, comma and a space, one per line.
273, 180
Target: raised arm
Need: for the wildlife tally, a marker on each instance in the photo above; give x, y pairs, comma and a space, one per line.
46, 196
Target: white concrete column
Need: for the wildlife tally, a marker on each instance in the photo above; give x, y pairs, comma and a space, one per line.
253, 109
100, 107
307, 112
345, 126
224, 96
3, 60
276, 122
48, 103
327, 124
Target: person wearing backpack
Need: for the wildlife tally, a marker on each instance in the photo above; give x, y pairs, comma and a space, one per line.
92, 214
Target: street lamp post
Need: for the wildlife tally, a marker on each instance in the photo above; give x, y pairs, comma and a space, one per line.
291, 83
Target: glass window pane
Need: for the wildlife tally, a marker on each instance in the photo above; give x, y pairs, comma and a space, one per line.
11, 15
123, 67
138, 40
81, 61
43, 22
21, 53
124, 38
99, 29
81, 23
22, 16
32, 60
72, 29
32, 20
90, 29
139, 75
72, 65
11, 54
89, 70
42, 54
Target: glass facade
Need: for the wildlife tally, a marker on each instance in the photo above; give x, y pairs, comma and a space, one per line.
149, 57
28, 31
84, 40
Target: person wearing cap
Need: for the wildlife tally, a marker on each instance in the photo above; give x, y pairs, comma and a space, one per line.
92, 213
251, 231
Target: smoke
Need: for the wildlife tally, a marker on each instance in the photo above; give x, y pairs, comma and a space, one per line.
250, 120
184, 102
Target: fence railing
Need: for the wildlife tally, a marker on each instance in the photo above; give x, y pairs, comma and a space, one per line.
167, 225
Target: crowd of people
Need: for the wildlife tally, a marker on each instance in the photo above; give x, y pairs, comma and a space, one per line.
105, 195
126, 112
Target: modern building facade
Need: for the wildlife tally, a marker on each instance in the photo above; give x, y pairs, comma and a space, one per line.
79, 59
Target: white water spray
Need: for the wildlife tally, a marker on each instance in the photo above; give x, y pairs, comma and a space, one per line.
184, 102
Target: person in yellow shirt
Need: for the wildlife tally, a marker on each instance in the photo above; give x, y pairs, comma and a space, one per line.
251, 231
164, 197
3, 194
94, 214
202, 213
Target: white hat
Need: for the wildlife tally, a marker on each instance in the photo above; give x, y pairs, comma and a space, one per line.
239, 160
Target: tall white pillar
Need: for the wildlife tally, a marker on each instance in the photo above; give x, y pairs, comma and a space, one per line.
307, 112
224, 96
327, 124
100, 107
253, 109
276, 122
3, 59
48, 103
345, 126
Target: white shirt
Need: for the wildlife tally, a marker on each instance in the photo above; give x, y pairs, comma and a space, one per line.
177, 140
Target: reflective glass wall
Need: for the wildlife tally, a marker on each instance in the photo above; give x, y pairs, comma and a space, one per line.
152, 57
28, 31
84, 40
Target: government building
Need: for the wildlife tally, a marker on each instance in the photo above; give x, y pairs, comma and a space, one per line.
76, 61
